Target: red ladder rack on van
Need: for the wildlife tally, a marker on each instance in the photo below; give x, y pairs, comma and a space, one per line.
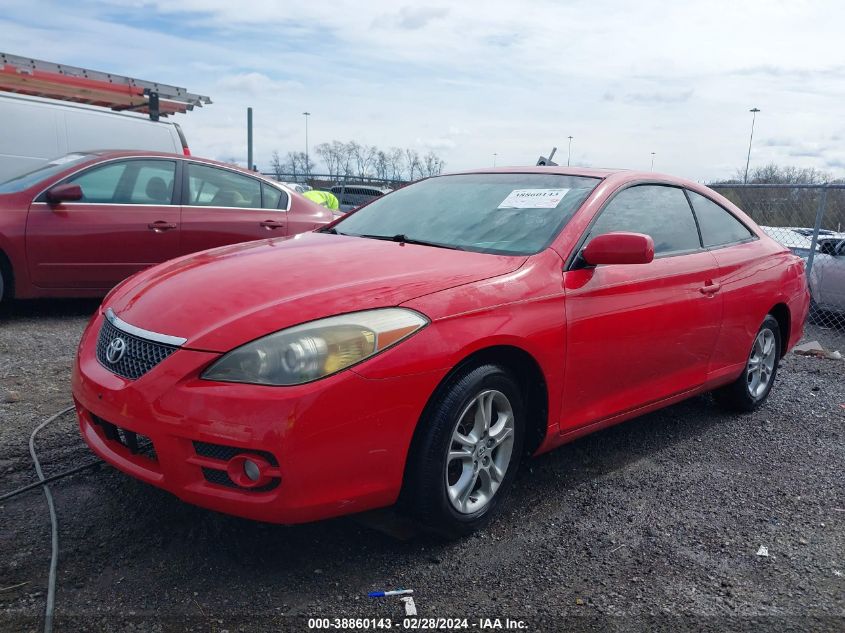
68, 83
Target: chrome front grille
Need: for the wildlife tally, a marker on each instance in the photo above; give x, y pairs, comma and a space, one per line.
139, 355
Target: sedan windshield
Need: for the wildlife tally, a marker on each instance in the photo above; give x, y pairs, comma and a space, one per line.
30, 178
509, 214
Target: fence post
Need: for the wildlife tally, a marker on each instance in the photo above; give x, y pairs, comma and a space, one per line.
817, 228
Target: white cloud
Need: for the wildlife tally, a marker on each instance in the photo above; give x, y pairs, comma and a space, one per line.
514, 77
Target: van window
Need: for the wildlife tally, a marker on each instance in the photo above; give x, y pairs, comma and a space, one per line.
214, 187
661, 212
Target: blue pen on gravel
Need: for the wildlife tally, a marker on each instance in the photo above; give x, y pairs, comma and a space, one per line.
384, 594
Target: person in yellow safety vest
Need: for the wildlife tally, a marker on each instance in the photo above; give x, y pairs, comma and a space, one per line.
325, 198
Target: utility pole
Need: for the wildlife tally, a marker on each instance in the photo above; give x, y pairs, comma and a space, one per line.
569, 155
307, 162
652, 161
249, 139
494, 159
753, 112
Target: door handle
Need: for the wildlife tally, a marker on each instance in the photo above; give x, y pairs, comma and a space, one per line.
272, 224
160, 226
710, 289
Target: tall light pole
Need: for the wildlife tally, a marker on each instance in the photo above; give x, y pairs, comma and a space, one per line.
494, 159
569, 155
652, 161
753, 112
307, 162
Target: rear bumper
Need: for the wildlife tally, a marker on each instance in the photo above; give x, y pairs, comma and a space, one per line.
336, 446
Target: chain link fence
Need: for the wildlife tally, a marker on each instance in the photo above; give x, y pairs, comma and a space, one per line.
326, 181
810, 221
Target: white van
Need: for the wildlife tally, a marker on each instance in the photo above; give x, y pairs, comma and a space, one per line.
34, 130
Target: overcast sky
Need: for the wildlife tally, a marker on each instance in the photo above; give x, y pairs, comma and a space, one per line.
468, 79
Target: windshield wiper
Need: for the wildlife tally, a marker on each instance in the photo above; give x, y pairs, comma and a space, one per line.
404, 239
332, 231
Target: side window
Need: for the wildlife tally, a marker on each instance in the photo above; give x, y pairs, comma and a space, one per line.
214, 187
661, 212
273, 198
128, 182
99, 185
718, 225
147, 182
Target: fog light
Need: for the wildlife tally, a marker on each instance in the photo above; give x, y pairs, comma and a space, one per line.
251, 470
248, 470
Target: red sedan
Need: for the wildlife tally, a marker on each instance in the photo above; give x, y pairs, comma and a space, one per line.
84, 222
416, 349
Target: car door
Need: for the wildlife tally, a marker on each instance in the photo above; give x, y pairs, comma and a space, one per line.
741, 279
222, 206
126, 221
831, 276
639, 333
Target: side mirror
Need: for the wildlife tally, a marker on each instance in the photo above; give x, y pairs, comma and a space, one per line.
619, 248
64, 193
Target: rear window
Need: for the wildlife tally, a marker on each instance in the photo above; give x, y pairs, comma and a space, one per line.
718, 226
31, 178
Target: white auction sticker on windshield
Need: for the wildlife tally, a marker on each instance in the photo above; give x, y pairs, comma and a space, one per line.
533, 199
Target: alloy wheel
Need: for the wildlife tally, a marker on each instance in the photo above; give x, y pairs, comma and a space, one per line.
480, 451
761, 363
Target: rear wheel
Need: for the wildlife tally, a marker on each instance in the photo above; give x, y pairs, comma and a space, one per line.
752, 388
468, 452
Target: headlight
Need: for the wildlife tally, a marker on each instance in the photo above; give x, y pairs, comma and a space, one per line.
314, 350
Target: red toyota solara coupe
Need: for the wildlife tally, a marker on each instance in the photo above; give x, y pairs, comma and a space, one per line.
84, 222
418, 348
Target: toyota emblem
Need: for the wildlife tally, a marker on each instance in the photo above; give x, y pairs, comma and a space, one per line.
116, 350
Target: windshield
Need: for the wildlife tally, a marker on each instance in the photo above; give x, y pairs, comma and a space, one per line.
30, 178
509, 214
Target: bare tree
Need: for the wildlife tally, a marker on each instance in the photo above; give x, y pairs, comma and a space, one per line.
773, 174
329, 156
345, 160
381, 165
394, 159
276, 165
432, 164
297, 165
412, 163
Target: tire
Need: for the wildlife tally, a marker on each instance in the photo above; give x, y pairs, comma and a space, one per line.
454, 488
752, 388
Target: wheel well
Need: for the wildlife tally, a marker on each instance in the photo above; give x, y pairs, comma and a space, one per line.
525, 370
8, 277
781, 314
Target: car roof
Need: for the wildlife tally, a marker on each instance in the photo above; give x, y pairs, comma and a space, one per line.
111, 153
618, 175
544, 169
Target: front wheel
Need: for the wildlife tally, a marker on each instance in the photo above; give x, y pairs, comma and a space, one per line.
467, 453
752, 388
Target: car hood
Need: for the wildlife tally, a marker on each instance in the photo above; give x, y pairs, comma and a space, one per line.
225, 297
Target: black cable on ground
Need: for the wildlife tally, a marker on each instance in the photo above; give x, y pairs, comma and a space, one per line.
37, 484
54, 524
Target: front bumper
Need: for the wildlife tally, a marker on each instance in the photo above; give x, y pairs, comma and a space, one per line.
339, 444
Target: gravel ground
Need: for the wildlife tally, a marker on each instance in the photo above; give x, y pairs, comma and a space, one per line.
651, 525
